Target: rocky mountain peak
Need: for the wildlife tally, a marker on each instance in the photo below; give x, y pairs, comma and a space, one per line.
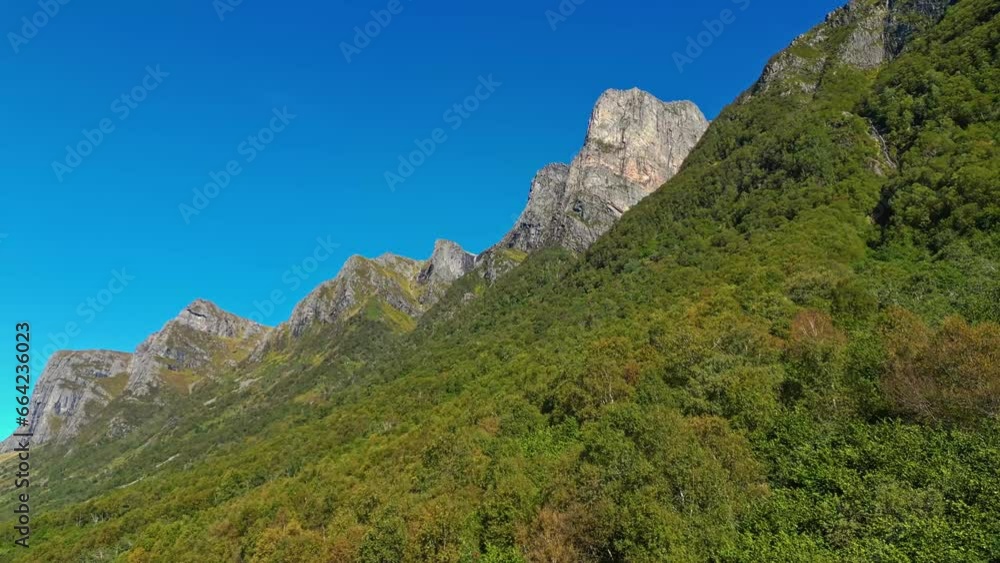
196, 339
640, 138
205, 316
634, 144
448, 263
389, 277
72, 385
864, 34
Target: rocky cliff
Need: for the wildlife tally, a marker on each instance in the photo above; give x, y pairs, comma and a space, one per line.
202, 341
634, 144
202, 337
406, 286
71, 388
864, 34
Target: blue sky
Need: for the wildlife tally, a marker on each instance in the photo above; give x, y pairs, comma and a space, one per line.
155, 99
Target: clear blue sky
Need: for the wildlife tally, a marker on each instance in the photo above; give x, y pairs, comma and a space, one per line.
66, 234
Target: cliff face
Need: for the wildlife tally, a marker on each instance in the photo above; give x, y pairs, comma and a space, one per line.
448, 263
72, 386
406, 286
864, 33
202, 341
201, 337
634, 144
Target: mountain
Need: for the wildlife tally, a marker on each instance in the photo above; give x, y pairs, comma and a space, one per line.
408, 287
863, 34
634, 144
788, 352
72, 385
202, 342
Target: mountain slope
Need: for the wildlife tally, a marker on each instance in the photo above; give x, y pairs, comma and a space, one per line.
201, 343
650, 140
634, 144
72, 385
787, 353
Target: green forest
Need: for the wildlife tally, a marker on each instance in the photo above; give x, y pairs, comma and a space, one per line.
790, 352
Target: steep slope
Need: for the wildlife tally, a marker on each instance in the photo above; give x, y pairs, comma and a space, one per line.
72, 386
787, 353
393, 288
634, 144
201, 341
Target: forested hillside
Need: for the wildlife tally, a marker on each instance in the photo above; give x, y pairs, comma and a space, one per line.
790, 352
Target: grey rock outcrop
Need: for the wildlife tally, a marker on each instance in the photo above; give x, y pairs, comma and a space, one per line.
447, 264
388, 277
865, 47
406, 285
634, 144
907, 17
864, 34
535, 227
195, 340
71, 388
